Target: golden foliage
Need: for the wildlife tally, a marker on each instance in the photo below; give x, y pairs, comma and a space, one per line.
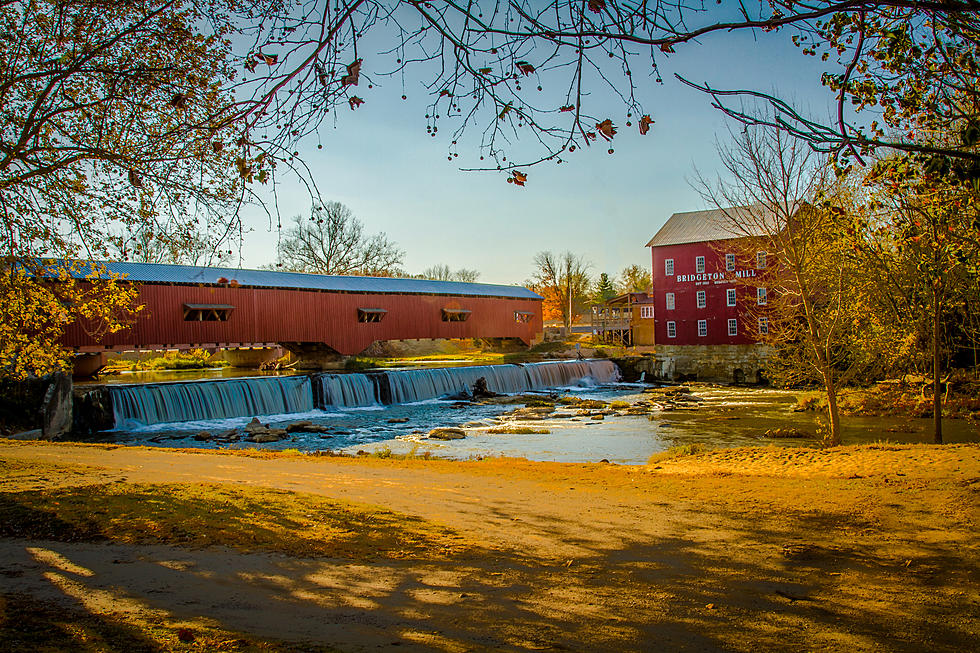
37, 306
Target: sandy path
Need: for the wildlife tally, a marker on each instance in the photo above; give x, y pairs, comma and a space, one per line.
771, 549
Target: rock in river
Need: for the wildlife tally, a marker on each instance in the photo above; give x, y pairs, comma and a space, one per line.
447, 434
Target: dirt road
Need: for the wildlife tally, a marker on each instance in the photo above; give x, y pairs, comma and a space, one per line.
851, 549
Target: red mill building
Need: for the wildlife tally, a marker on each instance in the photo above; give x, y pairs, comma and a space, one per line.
709, 292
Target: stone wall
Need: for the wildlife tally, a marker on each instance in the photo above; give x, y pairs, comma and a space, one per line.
717, 363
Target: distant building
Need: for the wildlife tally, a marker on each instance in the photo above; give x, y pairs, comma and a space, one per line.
626, 320
709, 298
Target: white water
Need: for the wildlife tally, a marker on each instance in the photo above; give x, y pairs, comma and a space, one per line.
211, 400
205, 400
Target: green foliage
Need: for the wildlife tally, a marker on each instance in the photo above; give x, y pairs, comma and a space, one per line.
603, 289
678, 451
634, 279
196, 359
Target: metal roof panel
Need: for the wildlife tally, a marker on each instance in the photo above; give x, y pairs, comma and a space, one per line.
192, 274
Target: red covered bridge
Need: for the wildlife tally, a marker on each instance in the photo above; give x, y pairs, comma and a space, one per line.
189, 306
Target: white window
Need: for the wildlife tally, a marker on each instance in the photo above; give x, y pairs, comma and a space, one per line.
702, 299
733, 327
670, 301
702, 328
669, 267
646, 312
760, 260
730, 297
763, 325
760, 296
729, 262
671, 329
699, 264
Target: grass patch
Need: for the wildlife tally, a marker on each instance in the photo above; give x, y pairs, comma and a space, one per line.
679, 451
27, 624
241, 517
592, 404
518, 430
197, 359
355, 364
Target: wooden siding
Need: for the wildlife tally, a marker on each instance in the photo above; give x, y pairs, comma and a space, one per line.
715, 281
263, 315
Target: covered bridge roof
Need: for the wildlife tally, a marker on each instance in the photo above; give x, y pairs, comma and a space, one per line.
192, 274
713, 224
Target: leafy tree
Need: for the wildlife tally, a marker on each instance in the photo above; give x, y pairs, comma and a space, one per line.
34, 313
634, 279
443, 272
603, 289
565, 282
332, 241
924, 236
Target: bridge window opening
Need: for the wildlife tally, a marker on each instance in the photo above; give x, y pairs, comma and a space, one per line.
522, 317
455, 315
207, 312
371, 314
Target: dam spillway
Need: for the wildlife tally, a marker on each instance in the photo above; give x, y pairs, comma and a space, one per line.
156, 403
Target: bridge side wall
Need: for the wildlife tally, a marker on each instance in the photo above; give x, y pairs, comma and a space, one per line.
268, 315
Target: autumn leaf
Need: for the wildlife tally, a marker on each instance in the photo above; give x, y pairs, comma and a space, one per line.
606, 129
525, 67
666, 48
135, 179
517, 178
353, 74
568, 107
485, 71
179, 100
590, 135
217, 146
506, 110
645, 123
267, 59
596, 6
444, 93
222, 279
355, 102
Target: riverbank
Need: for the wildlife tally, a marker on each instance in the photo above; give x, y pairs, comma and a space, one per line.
853, 548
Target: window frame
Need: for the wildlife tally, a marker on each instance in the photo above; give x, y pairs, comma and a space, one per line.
207, 312
764, 326
760, 260
371, 315
671, 329
729, 262
670, 301
523, 317
669, 267
646, 312
456, 314
702, 299
731, 297
702, 328
698, 264
732, 327
761, 296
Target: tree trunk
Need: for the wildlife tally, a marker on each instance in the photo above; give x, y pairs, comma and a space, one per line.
937, 405
832, 409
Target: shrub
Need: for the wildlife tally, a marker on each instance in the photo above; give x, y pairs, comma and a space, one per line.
678, 451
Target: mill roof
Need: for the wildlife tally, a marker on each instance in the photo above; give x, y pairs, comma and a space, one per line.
191, 274
712, 224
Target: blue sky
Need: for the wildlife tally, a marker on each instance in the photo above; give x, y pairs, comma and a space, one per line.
380, 161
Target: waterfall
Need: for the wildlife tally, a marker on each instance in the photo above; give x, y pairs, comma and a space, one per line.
348, 390
189, 401
156, 403
557, 374
417, 385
